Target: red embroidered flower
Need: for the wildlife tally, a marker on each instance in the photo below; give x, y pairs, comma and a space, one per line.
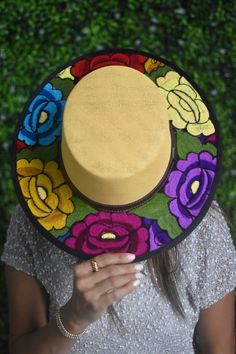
21, 145
84, 66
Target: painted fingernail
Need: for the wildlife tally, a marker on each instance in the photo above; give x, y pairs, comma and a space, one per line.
138, 267
130, 256
136, 282
138, 275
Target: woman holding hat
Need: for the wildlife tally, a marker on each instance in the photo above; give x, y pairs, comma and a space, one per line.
116, 163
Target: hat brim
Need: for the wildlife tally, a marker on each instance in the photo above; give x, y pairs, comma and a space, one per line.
73, 224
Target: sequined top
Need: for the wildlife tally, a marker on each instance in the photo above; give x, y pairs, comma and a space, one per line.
207, 272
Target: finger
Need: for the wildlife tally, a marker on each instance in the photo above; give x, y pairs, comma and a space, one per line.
104, 260
117, 294
114, 283
90, 281
110, 272
114, 258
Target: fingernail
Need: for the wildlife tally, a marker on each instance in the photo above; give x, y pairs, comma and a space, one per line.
138, 275
136, 282
130, 256
138, 267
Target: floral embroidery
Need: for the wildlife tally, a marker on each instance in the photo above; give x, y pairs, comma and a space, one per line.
189, 186
208, 139
109, 232
20, 145
45, 192
152, 65
85, 66
157, 236
43, 121
66, 74
154, 224
185, 106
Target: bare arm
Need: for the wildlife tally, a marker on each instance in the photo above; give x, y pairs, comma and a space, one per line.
216, 328
30, 331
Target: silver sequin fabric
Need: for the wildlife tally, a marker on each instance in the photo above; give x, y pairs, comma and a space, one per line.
207, 272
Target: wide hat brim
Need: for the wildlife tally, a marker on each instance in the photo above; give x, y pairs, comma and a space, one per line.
85, 229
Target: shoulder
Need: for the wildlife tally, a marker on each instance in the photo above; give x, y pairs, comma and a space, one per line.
208, 258
24, 242
209, 248
18, 216
212, 234
21, 230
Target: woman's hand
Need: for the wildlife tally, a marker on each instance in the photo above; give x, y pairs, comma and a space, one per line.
93, 292
30, 330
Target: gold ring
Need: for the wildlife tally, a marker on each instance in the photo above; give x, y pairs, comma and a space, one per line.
94, 265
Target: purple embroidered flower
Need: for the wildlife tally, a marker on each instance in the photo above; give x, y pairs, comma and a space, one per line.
190, 185
109, 232
157, 236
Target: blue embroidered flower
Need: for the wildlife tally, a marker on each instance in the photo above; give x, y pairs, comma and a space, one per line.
42, 123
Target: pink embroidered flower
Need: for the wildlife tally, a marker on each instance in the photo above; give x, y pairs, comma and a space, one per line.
106, 232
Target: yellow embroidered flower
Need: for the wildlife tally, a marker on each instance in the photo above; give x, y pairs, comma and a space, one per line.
45, 191
65, 74
185, 107
152, 64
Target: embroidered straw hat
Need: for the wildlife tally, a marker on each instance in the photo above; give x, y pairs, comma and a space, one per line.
117, 151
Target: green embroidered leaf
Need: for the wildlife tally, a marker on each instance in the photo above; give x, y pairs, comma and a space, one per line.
61, 232
159, 72
157, 209
44, 153
65, 85
81, 210
187, 143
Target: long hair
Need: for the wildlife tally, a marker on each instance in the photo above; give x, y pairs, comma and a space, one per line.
164, 270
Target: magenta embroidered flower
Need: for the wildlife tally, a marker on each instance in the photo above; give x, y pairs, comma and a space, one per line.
109, 232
